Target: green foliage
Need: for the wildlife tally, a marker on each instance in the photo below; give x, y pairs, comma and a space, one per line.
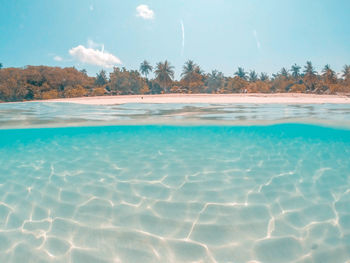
346, 73
84, 71
295, 71
215, 81
253, 76
235, 85
309, 69
124, 82
241, 73
264, 76
192, 78
101, 78
328, 75
164, 74
310, 78
41, 82
145, 68
284, 73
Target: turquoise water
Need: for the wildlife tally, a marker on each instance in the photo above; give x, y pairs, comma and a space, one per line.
168, 193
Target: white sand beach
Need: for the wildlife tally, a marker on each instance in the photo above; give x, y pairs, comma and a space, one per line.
255, 98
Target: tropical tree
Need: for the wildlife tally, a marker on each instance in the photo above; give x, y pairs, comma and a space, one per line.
258, 87
0, 65
241, 73
145, 68
329, 76
192, 77
281, 81
284, 73
84, 71
41, 82
189, 69
264, 76
123, 81
253, 76
346, 73
309, 69
215, 81
198, 70
235, 85
101, 78
310, 77
164, 74
295, 71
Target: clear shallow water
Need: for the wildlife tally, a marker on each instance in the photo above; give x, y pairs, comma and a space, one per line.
277, 193
36, 114
213, 183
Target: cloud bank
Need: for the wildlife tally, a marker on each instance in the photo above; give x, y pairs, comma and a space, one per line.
94, 56
94, 45
144, 12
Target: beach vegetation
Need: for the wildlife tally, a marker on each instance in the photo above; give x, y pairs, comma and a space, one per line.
101, 78
43, 82
164, 73
145, 68
253, 77
241, 73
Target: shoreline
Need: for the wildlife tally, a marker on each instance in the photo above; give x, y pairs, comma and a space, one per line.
246, 98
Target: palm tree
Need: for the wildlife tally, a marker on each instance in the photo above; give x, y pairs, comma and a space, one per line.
253, 77
264, 76
215, 80
346, 72
215, 76
101, 78
329, 74
164, 74
309, 69
241, 73
145, 68
284, 73
0, 65
189, 69
310, 76
295, 71
198, 70
84, 71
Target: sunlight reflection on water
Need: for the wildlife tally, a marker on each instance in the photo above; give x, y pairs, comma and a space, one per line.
158, 193
37, 114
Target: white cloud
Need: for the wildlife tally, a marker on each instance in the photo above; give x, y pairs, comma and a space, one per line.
94, 45
145, 12
91, 7
94, 56
58, 58
258, 45
183, 37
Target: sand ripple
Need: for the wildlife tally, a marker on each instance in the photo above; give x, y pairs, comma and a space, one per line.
175, 194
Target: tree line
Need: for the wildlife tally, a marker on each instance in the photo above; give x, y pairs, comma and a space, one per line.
43, 82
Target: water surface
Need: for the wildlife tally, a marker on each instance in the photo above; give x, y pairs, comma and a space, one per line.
160, 193
44, 114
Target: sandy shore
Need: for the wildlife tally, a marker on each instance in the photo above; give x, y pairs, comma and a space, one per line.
276, 98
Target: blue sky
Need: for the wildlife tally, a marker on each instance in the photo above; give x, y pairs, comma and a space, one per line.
217, 34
